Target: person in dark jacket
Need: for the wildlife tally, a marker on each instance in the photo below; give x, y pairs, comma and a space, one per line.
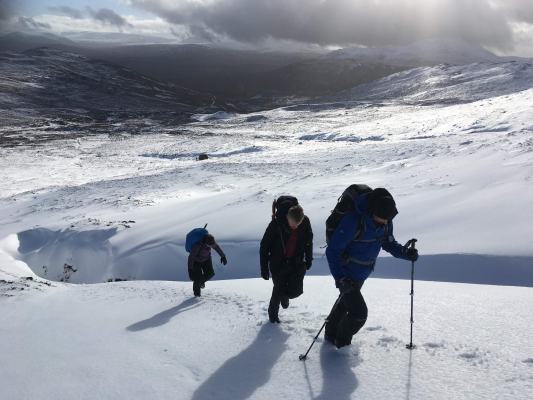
286, 252
200, 263
352, 261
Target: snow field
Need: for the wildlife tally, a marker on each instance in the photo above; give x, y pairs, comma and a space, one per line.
154, 340
120, 209
102, 208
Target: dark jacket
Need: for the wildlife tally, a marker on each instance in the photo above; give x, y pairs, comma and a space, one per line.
361, 251
272, 247
200, 252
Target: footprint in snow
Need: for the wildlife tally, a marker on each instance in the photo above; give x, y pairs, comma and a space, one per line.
374, 328
434, 345
386, 340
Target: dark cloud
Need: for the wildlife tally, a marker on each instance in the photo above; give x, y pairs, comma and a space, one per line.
31, 24
10, 20
69, 11
344, 22
6, 13
201, 32
173, 32
108, 17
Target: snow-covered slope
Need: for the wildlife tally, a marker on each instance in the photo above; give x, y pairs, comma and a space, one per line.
453, 51
50, 79
116, 204
133, 340
444, 84
69, 204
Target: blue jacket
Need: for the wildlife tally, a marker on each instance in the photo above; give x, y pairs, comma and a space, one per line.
361, 251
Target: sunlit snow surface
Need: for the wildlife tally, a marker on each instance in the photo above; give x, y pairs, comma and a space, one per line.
462, 176
133, 340
106, 207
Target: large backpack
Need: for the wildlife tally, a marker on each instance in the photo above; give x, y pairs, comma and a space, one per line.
194, 237
276, 203
345, 205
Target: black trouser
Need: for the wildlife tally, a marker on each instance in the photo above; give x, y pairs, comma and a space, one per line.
288, 282
349, 316
201, 272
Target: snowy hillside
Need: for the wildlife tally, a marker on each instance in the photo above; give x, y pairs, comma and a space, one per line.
90, 200
453, 51
133, 340
50, 79
445, 84
119, 206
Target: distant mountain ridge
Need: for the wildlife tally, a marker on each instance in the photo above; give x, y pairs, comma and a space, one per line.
21, 41
51, 79
114, 38
427, 52
444, 84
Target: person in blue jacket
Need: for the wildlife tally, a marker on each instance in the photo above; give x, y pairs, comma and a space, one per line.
351, 254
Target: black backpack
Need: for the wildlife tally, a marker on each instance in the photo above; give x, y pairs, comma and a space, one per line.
282, 199
345, 205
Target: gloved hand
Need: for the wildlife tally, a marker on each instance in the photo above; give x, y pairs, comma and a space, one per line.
308, 264
344, 285
412, 254
223, 260
265, 274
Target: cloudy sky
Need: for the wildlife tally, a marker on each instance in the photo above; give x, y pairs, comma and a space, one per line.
503, 26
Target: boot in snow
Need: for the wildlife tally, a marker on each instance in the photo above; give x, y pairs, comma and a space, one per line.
339, 342
285, 302
273, 317
196, 289
329, 338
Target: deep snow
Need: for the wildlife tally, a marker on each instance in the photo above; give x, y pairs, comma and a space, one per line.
105, 207
154, 340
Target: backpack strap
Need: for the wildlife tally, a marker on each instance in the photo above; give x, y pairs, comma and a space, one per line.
349, 259
361, 228
280, 234
346, 258
354, 260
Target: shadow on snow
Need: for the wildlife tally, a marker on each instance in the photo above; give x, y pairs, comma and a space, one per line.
338, 379
239, 377
163, 317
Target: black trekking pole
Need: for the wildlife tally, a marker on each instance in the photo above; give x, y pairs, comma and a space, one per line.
411, 243
304, 356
